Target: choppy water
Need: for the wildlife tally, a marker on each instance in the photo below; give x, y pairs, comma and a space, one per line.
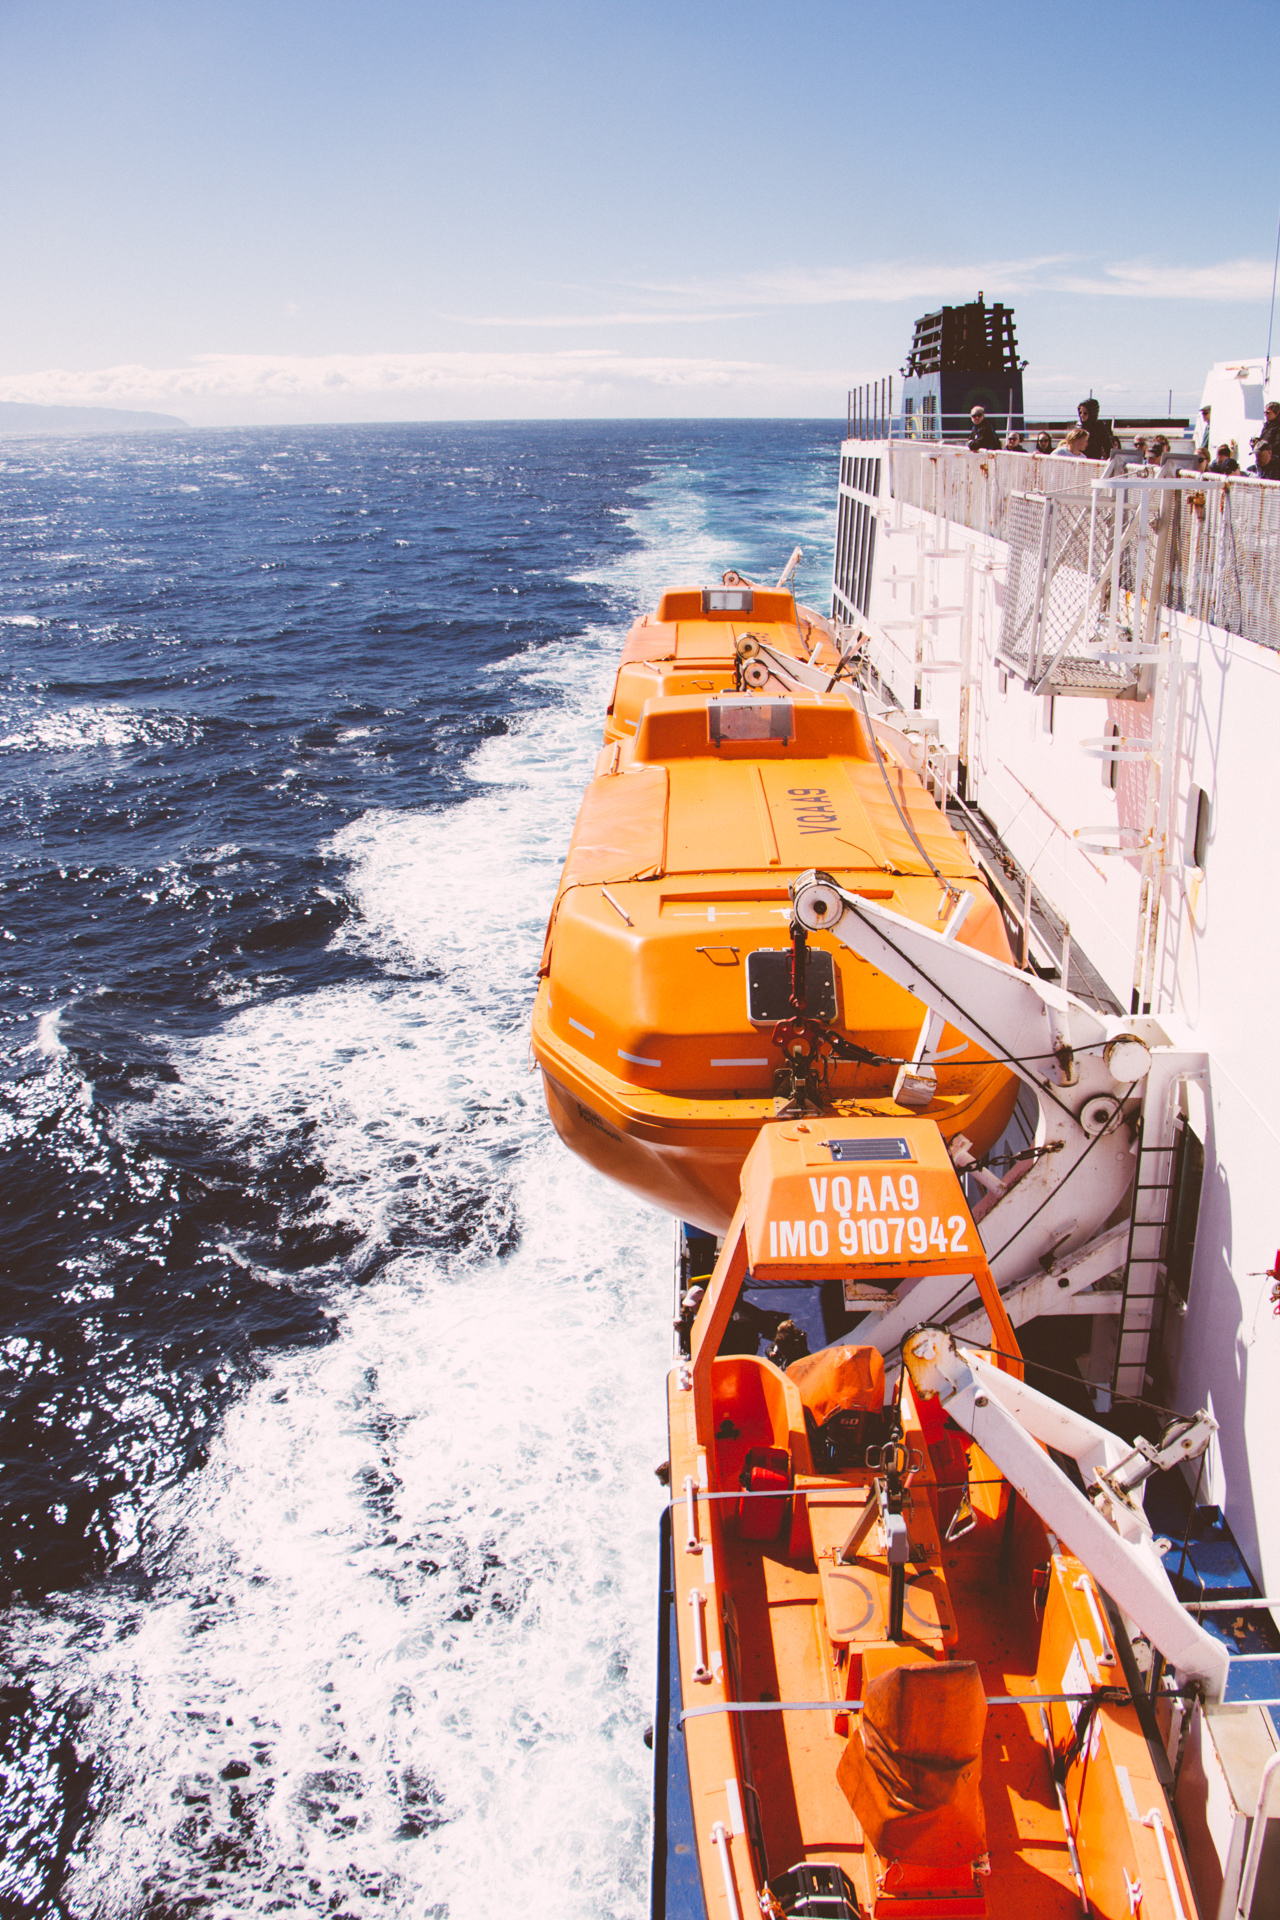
332, 1387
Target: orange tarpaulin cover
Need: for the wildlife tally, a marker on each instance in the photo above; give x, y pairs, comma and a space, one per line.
944, 847
621, 830
839, 1377
650, 640
912, 1771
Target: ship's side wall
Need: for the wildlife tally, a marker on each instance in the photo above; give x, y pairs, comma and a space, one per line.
1036, 767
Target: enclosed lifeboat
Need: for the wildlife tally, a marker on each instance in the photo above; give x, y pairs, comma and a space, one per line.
890, 1681
679, 1007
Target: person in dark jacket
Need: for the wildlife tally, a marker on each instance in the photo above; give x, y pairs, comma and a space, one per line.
1266, 448
984, 438
1226, 461
1101, 439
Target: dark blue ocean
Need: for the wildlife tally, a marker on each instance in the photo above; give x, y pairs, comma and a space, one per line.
331, 1387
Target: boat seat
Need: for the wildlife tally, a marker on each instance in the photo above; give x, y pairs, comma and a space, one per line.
912, 1767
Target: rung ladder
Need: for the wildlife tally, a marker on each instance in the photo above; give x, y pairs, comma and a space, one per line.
1145, 1271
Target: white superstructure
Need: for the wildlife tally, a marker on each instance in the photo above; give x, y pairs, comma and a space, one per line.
1236, 391
1090, 665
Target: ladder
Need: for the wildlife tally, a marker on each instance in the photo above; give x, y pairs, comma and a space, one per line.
1145, 1266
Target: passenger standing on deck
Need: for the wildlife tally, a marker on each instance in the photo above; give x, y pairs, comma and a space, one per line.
983, 439
1201, 437
1266, 448
1100, 437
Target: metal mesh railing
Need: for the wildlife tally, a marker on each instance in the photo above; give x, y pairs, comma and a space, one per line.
1225, 565
1060, 554
1224, 552
1027, 534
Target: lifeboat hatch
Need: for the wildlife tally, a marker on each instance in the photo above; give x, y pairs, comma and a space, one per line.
769, 985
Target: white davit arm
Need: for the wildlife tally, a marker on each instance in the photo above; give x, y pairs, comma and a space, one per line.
1009, 1419
1035, 1026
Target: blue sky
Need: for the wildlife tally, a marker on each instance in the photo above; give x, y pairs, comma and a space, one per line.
388, 210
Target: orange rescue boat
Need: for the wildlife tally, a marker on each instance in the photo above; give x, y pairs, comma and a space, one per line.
678, 1007
891, 1684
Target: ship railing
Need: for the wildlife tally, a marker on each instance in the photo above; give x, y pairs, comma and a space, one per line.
1223, 560
868, 420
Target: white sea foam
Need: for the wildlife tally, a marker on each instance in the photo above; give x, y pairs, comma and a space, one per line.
397, 1656
48, 1040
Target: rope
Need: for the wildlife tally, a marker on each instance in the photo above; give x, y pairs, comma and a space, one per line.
1054, 1191
952, 892
1101, 1695
1056, 1373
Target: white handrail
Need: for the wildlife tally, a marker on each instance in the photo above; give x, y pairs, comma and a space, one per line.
1257, 1839
1083, 1584
701, 1671
1154, 1821
720, 1841
692, 1544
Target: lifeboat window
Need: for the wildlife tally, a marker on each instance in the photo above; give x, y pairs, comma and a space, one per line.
876, 1148
735, 719
727, 600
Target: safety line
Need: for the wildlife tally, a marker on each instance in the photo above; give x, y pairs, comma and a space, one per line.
1115, 1695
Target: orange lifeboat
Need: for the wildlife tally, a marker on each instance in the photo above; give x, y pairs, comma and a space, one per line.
890, 1684
737, 755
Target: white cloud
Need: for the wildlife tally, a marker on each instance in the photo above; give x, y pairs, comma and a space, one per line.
217, 389
1147, 280
892, 281
881, 281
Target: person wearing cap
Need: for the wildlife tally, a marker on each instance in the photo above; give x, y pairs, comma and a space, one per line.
983, 439
1226, 461
1266, 448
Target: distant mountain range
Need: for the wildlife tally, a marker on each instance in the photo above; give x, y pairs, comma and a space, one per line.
18, 416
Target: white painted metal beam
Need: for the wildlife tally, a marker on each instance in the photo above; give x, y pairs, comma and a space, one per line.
1009, 1420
